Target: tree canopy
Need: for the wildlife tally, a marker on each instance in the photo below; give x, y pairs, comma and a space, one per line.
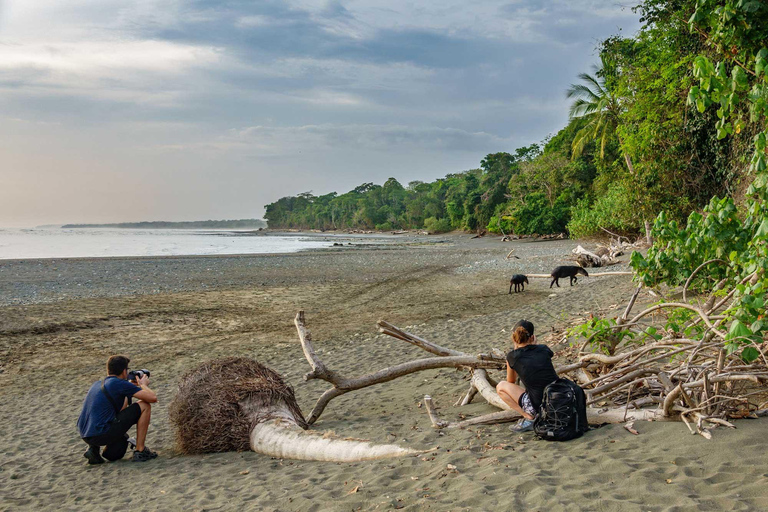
670, 118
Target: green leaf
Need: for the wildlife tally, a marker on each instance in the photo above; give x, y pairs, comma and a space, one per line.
740, 79
749, 354
761, 61
738, 330
696, 16
762, 231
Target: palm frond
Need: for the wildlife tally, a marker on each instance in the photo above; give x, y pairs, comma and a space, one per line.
581, 108
581, 91
603, 140
579, 142
595, 81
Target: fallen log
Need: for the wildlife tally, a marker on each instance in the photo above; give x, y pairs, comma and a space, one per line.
592, 274
342, 385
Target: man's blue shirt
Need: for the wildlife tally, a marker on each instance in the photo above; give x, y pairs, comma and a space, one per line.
98, 411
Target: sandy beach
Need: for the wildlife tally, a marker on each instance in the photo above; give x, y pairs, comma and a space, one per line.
61, 319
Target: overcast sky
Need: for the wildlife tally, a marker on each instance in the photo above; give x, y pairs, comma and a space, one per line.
129, 110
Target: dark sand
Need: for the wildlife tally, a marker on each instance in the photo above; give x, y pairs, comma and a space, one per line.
60, 320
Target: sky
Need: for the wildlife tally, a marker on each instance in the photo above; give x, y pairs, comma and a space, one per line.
133, 110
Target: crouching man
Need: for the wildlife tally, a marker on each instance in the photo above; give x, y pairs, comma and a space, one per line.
108, 414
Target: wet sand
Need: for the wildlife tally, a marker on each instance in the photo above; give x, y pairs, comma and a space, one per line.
60, 320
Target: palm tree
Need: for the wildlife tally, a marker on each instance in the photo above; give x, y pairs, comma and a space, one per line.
596, 103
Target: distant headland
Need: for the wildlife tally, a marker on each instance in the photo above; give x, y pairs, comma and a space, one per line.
199, 224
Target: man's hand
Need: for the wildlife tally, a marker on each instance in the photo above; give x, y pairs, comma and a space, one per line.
143, 381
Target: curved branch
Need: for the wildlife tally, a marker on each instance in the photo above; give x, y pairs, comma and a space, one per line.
486, 419
630, 376
395, 332
683, 305
693, 274
488, 392
342, 385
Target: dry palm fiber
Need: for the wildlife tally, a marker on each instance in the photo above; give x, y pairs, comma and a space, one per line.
206, 411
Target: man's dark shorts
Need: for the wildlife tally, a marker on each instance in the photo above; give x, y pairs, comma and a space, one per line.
114, 439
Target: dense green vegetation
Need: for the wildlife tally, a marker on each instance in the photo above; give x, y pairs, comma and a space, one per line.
199, 224
641, 140
720, 252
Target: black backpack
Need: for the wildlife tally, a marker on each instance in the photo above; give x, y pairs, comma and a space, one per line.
563, 413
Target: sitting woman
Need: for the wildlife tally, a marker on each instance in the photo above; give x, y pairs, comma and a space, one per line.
533, 363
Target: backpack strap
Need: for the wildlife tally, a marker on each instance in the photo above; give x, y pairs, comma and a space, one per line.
109, 397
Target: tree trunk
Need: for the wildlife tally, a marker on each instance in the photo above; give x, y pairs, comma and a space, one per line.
628, 160
281, 437
648, 237
646, 222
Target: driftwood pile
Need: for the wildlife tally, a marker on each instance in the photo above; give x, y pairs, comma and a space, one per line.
607, 254
551, 236
626, 377
697, 380
602, 257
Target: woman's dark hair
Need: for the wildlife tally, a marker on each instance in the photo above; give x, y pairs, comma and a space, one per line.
521, 336
116, 364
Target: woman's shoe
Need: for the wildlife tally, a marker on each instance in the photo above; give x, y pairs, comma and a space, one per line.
523, 425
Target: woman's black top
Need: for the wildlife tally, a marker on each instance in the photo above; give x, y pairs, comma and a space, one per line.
533, 363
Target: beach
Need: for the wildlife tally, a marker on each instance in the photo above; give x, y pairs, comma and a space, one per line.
61, 319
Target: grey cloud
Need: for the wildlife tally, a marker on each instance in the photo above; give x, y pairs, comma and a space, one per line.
273, 141
271, 92
294, 33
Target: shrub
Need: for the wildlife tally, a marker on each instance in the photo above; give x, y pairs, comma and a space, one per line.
611, 211
435, 225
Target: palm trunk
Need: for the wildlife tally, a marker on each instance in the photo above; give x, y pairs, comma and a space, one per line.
282, 439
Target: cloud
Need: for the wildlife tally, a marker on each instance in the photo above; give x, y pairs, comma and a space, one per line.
271, 141
357, 87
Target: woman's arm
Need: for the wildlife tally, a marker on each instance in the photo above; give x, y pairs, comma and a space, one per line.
511, 374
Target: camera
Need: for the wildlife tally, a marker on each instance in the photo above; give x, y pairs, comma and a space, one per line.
135, 375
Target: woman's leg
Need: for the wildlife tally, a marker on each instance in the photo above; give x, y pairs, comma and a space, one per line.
510, 394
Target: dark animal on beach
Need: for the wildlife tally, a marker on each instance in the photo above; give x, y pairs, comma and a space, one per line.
566, 271
518, 280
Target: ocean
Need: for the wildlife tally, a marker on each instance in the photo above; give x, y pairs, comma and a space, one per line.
104, 242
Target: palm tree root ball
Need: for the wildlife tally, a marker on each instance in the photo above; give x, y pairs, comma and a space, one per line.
236, 404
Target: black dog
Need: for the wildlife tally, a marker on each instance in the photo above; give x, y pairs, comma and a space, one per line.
518, 280
566, 271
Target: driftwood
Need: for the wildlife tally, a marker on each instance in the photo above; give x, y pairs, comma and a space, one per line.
672, 377
447, 358
588, 259
342, 385
694, 380
591, 274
